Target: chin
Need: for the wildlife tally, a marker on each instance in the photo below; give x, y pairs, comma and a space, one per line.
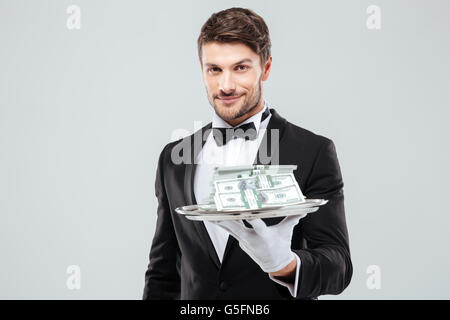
228, 112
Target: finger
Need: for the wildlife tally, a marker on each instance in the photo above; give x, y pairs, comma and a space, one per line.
293, 220
224, 224
235, 230
226, 228
289, 223
235, 227
258, 225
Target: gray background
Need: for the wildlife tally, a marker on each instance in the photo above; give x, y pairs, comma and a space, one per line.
85, 113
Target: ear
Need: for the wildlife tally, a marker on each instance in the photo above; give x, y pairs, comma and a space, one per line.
266, 69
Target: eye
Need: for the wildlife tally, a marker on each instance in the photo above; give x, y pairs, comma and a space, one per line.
213, 69
241, 67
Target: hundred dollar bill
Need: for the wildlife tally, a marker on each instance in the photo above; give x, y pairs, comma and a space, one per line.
254, 167
254, 199
248, 171
260, 176
262, 181
233, 172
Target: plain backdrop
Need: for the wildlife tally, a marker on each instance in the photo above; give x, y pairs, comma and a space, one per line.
85, 113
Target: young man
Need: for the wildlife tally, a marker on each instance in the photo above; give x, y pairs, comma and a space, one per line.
300, 257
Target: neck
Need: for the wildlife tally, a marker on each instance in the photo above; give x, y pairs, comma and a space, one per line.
255, 110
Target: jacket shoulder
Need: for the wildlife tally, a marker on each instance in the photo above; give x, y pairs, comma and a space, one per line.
312, 139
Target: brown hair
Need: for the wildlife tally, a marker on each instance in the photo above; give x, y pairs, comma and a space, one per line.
237, 25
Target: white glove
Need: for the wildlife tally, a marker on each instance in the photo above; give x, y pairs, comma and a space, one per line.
269, 247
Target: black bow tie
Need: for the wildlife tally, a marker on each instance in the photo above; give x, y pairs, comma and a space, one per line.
246, 131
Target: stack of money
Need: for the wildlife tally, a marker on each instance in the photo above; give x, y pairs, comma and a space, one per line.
253, 187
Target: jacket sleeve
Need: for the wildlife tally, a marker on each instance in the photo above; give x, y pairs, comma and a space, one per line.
162, 278
326, 267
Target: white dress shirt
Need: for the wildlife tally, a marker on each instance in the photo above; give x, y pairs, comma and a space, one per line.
235, 152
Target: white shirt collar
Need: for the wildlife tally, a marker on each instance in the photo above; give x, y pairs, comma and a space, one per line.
218, 122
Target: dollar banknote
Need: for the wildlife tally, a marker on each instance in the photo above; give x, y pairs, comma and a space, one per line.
251, 187
260, 181
254, 198
249, 171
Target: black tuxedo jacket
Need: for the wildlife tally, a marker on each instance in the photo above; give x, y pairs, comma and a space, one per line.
183, 262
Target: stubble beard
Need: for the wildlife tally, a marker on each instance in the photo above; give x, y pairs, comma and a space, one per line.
247, 106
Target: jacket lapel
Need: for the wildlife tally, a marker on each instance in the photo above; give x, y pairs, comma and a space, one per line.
276, 124
197, 142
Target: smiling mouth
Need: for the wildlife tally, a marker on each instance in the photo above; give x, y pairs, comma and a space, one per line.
229, 100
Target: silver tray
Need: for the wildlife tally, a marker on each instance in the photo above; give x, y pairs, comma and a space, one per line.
193, 212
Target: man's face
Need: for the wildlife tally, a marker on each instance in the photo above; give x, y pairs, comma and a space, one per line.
232, 74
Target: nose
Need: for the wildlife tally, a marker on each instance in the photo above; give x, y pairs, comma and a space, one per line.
226, 83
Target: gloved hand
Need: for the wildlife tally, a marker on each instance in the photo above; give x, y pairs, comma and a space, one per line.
269, 247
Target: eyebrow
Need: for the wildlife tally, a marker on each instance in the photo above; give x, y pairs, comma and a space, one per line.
239, 62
